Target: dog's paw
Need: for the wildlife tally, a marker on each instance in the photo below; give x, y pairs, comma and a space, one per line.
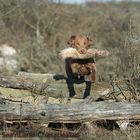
88, 99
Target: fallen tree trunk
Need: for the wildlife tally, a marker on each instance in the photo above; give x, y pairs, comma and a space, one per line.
56, 86
78, 112
45, 84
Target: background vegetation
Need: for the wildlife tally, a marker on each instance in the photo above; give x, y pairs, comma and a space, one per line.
39, 29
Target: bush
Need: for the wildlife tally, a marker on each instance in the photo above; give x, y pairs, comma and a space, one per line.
40, 29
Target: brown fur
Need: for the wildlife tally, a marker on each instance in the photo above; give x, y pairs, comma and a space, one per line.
80, 43
79, 62
78, 67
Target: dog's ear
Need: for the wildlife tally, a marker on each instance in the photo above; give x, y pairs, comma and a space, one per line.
91, 42
71, 41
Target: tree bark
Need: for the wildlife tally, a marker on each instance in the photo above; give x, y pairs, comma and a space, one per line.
46, 84
77, 112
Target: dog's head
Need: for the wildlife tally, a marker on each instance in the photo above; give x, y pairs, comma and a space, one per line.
80, 43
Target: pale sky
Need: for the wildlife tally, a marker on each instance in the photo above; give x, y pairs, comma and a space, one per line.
73, 1
82, 1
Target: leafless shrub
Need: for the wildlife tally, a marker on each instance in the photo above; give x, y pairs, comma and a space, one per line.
40, 29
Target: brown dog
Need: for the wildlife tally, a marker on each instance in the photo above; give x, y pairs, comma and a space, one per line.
79, 62
81, 67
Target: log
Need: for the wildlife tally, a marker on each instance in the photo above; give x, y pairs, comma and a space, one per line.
51, 85
77, 112
55, 86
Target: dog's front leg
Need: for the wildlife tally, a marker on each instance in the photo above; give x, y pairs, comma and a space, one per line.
87, 89
70, 77
70, 85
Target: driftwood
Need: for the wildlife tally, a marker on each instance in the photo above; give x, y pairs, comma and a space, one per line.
36, 85
56, 86
46, 84
78, 112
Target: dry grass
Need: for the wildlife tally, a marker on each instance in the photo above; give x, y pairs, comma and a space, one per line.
40, 29
99, 131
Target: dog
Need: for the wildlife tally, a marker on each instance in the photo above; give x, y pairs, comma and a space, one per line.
79, 62
78, 68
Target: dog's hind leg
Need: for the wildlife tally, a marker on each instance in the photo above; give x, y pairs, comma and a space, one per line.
93, 73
